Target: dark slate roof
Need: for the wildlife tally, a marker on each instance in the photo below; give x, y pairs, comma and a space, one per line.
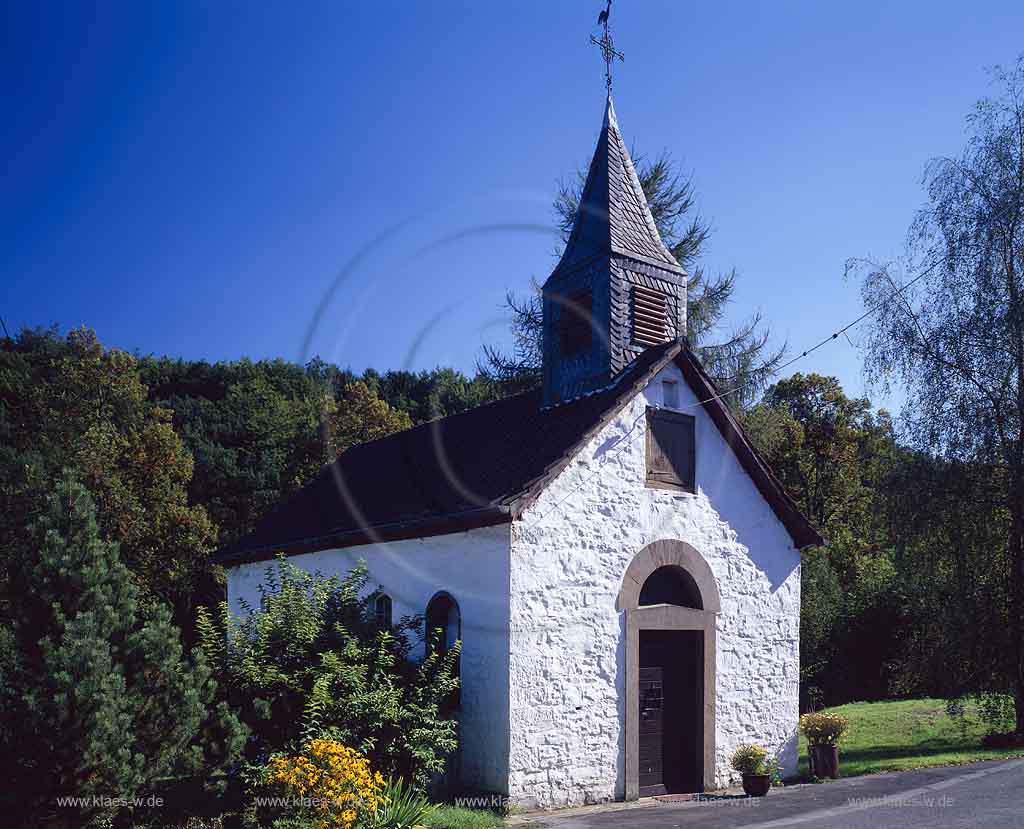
478, 468
613, 216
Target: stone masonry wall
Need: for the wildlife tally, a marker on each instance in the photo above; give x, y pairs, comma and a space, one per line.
567, 658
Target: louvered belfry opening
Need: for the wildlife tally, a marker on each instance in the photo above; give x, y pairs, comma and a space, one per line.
650, 316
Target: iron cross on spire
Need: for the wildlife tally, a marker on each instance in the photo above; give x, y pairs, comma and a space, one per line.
607, 45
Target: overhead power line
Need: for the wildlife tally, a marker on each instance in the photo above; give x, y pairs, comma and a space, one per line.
627, 440
834, 336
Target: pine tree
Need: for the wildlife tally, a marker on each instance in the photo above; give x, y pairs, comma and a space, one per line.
740, 359
97, 694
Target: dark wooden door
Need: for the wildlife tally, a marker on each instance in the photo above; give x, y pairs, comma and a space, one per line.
652, 728
671, 732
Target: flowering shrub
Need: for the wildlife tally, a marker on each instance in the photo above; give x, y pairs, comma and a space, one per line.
331, 782
750, 759
822, 728
311, 661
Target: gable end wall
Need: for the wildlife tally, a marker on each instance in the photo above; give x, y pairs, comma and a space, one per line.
570, 550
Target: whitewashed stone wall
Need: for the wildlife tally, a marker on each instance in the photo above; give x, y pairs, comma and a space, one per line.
569, 553
474, 568
543, 658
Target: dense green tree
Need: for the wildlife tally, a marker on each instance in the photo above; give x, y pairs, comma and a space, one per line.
97, 695
830, 450
740, 359
948, 525
70, 403
954, 334
835, 456
426, 395
260, 430
247, 425
360, 416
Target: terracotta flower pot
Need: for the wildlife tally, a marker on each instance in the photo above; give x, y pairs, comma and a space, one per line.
824, 761
756, 785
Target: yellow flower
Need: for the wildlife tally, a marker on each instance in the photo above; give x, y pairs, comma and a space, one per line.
336, 776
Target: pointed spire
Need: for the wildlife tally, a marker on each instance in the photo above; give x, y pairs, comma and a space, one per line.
609, 114
613, 216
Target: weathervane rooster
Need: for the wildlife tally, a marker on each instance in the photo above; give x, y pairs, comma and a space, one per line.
606, 45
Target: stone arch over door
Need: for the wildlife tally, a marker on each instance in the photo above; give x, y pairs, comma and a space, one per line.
659, 554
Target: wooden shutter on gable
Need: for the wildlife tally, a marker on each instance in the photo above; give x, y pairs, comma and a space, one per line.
671, 450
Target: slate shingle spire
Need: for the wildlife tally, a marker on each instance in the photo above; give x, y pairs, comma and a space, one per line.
617, 289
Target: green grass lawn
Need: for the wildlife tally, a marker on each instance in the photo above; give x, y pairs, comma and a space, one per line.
884, 736
907, 734
455, 817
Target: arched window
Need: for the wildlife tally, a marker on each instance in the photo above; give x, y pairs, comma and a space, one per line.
443, 613
671, 585
382, 611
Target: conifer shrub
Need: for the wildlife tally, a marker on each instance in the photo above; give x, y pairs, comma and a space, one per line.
98, 697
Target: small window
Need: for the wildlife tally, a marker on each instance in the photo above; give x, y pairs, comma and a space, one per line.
382, 610
671, 454
444, 629
575, 323
650, 316
670, 394
443, 622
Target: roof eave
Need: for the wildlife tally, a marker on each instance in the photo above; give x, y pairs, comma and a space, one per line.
396, 531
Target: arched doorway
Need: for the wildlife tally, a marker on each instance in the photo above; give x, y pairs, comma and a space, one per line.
670, 600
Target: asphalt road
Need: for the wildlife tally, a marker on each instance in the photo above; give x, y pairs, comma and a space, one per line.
988, 794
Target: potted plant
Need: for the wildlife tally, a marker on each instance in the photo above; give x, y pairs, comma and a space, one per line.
823, 732
758, 769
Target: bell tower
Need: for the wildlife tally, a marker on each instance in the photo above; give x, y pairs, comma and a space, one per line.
617, 289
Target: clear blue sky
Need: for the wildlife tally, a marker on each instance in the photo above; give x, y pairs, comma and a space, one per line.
190, 178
